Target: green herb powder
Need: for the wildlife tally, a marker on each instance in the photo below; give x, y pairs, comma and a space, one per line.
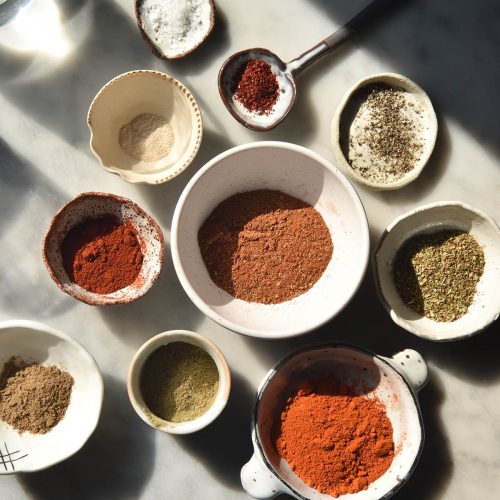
179, 382
437, 274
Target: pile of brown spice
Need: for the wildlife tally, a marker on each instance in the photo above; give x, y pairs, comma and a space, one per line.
33, 397
265, 246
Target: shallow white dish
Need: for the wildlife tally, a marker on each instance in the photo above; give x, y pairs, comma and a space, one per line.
134, 93
428, 136
32, 452
431, 218
395, 382
296, 171
134, 375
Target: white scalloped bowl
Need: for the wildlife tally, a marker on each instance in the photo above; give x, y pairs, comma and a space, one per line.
134, 93
33, 452
427, 219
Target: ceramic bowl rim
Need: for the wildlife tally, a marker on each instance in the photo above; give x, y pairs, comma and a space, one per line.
121, 200
179, 269
197, 127
407, 84
47, 330
330, 345
415, 330
157, 341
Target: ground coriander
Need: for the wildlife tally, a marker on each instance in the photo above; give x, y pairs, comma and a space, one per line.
437, 274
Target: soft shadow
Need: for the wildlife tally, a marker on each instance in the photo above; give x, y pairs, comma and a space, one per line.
226, 445
115, 464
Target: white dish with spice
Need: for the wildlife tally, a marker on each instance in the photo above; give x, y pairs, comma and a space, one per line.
135, 374
298, 172
35, 342
429, 219
384, 131
394, 381
145, 126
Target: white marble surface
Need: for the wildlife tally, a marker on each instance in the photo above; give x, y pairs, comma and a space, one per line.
449, 48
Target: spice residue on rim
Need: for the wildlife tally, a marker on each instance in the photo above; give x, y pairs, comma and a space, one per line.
265, 246
102, 255
382, 132
256, 87
335, 439
437, 274
33, 397
179, 382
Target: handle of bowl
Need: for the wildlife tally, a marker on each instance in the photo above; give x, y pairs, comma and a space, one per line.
412, 366
258, 481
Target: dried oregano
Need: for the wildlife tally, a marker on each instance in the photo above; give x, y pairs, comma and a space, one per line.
437, 274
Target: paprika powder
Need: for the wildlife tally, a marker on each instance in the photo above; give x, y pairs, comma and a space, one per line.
102, 255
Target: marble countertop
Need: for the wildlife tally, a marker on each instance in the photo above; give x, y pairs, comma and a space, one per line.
449, 48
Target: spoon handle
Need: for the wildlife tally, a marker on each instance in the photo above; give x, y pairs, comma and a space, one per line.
363, 18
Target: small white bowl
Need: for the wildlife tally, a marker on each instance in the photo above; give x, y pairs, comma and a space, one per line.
296, 171
134, 374
427, 219
429, 134
33, 452
94, 205
135, 93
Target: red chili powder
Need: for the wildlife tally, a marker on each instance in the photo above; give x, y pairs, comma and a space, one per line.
102, 255
336, 440
256, 87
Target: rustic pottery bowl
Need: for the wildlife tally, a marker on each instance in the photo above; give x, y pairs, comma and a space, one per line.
135, 93
296, 171
396, 381
32, 452
341, 124
134, 374
94, 205
427, 219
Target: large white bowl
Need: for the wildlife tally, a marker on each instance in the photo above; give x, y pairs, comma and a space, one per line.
296, 171
32, 452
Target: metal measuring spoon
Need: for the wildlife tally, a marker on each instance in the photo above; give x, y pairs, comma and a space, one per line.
286, 73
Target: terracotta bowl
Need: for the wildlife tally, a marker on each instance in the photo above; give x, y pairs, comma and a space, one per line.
94, 205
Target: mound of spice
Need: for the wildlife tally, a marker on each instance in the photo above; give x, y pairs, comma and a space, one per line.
102, 255
179, 382
265, 246
437, 274
33, 397
147, 137
255, 85
384, 140
336, 440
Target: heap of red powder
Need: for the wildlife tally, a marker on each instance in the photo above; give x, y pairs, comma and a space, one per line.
256, 87
102, 255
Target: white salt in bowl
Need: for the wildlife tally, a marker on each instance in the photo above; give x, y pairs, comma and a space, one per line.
135, 93
395, 381
296, 171
430, 218
33, 452
134, 377
342, 120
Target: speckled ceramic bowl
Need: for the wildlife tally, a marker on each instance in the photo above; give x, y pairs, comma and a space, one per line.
341, 126
433, 217
395, 382
132, 94
36, 342
134, 375
94, 205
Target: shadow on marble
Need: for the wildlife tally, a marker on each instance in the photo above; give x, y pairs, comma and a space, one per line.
225, 446
115, 464
448, 49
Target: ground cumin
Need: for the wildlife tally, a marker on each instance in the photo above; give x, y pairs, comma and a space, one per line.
336, 440
265, 246
33, 397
